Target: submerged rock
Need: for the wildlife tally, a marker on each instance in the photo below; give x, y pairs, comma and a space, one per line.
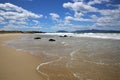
37, 38
52, 40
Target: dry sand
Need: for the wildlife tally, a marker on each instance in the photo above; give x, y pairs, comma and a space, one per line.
16, 65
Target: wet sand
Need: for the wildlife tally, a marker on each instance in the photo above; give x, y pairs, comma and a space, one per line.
16, 65
59, 60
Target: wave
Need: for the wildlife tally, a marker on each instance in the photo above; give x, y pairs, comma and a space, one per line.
91, 35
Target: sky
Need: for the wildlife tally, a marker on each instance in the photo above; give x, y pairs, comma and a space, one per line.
54, 15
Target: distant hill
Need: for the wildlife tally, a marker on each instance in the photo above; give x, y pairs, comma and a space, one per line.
3, 31
96, 31
62, 31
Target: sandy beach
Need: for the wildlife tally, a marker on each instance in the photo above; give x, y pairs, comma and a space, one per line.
65, 59
16, 65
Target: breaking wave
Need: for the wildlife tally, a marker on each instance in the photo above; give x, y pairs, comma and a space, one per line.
91, 35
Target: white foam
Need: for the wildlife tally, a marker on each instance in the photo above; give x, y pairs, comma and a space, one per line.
58, 34
42, 64
98, 63
19, 49
92, 35
75, 75
65, 43
72, 54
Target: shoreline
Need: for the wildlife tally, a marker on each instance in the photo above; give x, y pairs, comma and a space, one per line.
67, 65
16, 65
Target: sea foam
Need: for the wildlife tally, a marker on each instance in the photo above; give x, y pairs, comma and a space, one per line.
91, 35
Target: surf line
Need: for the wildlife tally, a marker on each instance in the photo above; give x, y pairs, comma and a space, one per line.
42, 64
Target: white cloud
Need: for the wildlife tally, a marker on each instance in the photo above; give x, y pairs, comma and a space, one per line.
92, 2
15, 27
2, 20
110, 18
11, 27
70, 18
106, 18
94, 16
78, 0
98, 18
78, 14
22, 22
108, 21
13, 15
80, 9
12, 11
69, 27
36, 22
54, 16
109, 12
79, 6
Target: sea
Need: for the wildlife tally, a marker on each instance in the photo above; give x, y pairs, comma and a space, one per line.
76, 56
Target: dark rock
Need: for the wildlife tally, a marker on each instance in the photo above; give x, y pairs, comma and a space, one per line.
65, 36
52, 40
37, 38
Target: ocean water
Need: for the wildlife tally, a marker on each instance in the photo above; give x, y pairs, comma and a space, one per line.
85, 56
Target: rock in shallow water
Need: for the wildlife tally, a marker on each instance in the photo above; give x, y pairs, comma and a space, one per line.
63, 36
37, 38
52, 40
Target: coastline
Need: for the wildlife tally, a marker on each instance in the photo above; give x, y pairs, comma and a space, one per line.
16, 65
78, 63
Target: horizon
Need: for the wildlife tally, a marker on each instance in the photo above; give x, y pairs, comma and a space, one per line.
51, 16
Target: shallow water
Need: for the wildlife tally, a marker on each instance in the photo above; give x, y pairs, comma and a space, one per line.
73, 58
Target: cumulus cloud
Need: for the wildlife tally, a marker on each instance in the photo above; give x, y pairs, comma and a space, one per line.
79, 6
54, 16
36, 22
69, 27
78, 0
18, 27
81, 9
10, 11
13, 14
109, 20
92, 2
2, 20
70, 18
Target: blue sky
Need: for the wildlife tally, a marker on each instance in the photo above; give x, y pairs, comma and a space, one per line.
53, 15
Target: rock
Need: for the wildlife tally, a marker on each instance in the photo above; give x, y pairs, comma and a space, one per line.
37, 38
52, 40
63, 36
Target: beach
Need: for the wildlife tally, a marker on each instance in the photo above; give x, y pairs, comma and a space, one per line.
16, 65
59, 39
23, 57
